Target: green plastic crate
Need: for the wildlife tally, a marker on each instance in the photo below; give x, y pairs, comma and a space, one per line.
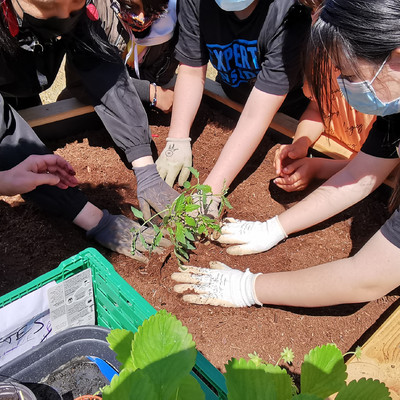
118, 305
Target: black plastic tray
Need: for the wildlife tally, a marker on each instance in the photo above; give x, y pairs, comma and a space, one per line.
62, 355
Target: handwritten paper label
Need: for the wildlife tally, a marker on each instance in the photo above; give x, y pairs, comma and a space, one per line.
24, 323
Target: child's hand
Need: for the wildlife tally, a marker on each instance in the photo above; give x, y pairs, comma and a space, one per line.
287, 152
297, 175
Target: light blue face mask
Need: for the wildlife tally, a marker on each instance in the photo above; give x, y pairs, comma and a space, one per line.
362, 96
233, 5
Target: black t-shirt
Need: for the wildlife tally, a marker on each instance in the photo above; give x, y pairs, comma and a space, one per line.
264, 49
383, 139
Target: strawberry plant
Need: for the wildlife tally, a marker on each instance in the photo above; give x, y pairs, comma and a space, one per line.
186, 220
158, 358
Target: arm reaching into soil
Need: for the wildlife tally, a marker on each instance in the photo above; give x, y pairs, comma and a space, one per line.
245, 138
370, 274
307, 133
176, 157
350, 185
37, 170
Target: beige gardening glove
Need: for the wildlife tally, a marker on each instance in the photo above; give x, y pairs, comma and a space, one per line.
175, 159
218, 285
251, 237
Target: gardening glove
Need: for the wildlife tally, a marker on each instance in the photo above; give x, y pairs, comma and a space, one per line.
175, 159
152, 191
218, 286
210, 207
117, 232
252, 237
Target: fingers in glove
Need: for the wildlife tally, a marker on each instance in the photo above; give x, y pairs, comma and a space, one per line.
241, 250
149, 235
230, 239
183, 176
171, 176
219, 265
145, 208
205, 300
161, 170
184, 277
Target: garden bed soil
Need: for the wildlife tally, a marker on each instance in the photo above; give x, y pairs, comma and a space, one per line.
32, 243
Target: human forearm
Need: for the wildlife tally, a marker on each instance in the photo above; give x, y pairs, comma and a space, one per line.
188, 93
351, 184
255, 119
325, 168
370, 274
310, 126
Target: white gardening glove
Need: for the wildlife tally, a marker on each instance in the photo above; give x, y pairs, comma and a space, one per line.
175, 159
252, 237
218, 286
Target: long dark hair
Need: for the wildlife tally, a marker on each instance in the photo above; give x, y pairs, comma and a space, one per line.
350, 30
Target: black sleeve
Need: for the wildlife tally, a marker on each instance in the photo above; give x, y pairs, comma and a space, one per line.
281, 46
383, 139
190, 49
114, 95
17, 142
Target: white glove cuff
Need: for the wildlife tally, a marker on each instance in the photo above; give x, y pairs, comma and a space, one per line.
276, 229
188, 139
247, 292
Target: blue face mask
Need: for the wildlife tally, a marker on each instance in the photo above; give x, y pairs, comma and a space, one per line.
233, 5
362, 97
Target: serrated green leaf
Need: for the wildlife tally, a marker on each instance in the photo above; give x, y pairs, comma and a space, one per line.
201, 229
180, 236
246, 380
323, 371
192, 207
181, 254
225, 203
179, 203
188, 234
186, 184
137, 213
189, 388
205, 189
129, 385
157, 239
190, 221
190, 246
364, 389
165, 352
194, 171
143, 241
120, 341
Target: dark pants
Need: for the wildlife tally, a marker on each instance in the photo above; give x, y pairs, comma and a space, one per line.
17, 142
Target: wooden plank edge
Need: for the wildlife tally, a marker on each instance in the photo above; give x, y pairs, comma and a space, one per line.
53, 112
380, 356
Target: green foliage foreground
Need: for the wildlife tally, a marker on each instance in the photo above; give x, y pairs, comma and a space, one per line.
158, 358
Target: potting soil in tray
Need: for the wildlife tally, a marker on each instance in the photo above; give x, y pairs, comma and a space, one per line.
59, 367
